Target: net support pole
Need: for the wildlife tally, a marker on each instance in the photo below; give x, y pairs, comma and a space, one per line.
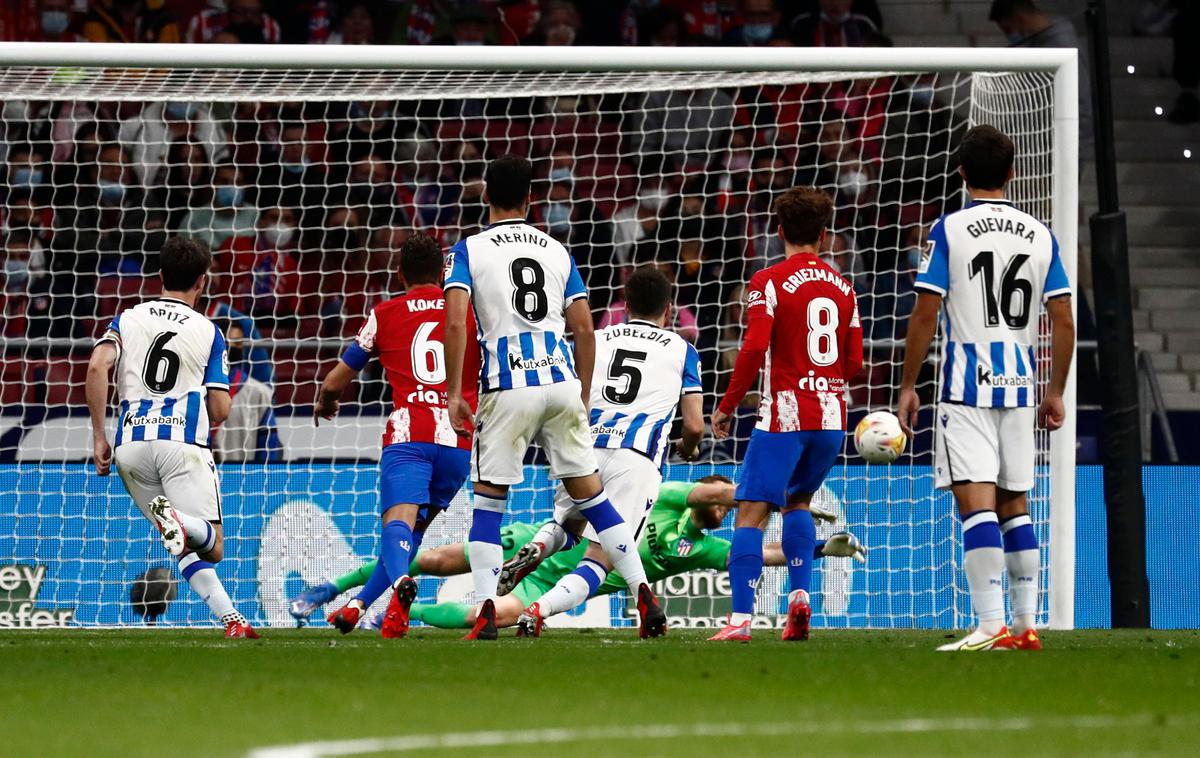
1062, 442
1124, 505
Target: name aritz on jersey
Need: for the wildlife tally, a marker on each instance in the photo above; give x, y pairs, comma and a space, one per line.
1006, 225
805, 275
170, 314
654, 335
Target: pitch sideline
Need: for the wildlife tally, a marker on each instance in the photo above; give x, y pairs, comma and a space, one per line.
496, 738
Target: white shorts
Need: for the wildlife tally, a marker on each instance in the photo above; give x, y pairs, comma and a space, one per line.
631, 481
184, 473
509, 420
984, 445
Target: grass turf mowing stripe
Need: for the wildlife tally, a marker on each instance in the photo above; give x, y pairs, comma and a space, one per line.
453, 740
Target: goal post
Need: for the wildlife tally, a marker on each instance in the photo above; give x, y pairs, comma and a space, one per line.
685, 142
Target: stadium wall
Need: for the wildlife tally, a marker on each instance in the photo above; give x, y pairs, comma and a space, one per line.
69, 548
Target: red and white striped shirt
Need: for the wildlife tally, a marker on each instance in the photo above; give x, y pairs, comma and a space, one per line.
809, 359
407, 334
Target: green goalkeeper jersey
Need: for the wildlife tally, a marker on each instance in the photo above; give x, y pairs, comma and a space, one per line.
672, 545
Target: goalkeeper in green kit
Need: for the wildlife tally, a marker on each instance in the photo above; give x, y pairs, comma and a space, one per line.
675, 542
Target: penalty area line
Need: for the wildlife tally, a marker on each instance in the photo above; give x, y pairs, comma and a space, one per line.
496, 738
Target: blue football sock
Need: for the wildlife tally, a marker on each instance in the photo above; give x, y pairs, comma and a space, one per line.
375, 586
745, 567
818, 549
395, 546
799, 539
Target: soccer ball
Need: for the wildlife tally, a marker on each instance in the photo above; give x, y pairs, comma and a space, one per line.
878, 437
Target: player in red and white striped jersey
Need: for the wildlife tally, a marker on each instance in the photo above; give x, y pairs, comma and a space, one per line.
424, 461
803, 330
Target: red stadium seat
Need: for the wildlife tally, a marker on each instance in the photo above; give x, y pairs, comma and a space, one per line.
65, 380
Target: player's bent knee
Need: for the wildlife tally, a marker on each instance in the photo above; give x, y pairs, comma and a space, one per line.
508, 610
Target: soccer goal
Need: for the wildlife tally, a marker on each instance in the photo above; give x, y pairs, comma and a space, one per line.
306, 167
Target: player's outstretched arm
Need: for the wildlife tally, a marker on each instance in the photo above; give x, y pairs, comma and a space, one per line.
922, 325
1051, 414
335, 383
104, 357
579, 320
455, 329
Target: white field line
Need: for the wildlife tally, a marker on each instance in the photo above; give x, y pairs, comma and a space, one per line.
446, 740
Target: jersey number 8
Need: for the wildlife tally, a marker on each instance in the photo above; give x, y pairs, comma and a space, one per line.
529, 289
822, 331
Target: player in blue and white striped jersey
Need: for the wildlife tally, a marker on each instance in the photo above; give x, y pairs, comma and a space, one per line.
992, 267
643, 373
172, 377
533, 388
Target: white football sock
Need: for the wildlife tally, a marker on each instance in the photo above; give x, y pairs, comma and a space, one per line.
487, 556
201, 536
616, 539
737, 619
1024, 572
203, 579
571, 591
552, 537
983, 561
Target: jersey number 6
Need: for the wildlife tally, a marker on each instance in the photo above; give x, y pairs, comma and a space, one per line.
161, 369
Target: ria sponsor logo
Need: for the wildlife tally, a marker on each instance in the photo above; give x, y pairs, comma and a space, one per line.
814, 383
985, 377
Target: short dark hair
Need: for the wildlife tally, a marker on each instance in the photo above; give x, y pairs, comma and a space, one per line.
803, 213
647, 293
714, 478
182, 261
1002, 9
421, 260
507, 180
986, 157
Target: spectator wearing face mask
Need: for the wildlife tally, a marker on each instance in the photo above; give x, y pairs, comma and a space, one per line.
26, 171
834, 24
151, 132
120, 218
245, 19
250, 434
581, 226
55, 22
559, 25
638, 221
246, 267
759, 23
228, 214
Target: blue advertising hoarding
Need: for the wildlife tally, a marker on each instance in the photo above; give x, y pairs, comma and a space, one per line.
71, 544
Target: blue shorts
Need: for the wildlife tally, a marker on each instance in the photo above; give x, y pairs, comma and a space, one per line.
781, 464
421, 473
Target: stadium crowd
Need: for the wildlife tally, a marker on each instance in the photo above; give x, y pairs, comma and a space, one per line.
306, 204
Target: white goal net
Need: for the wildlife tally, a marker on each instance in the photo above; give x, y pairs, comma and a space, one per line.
305, 182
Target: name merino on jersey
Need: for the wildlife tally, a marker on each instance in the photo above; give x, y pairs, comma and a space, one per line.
521, 281
993, 264
169, 356
641, 370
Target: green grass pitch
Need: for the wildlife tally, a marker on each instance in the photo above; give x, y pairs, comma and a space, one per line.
581, 693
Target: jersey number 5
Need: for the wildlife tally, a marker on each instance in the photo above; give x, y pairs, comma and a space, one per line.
822, 331
161, 369
428, 356
624, 365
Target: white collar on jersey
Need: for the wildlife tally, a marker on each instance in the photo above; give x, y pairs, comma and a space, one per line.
173, 300
1002, 200
643, 322
506, 221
